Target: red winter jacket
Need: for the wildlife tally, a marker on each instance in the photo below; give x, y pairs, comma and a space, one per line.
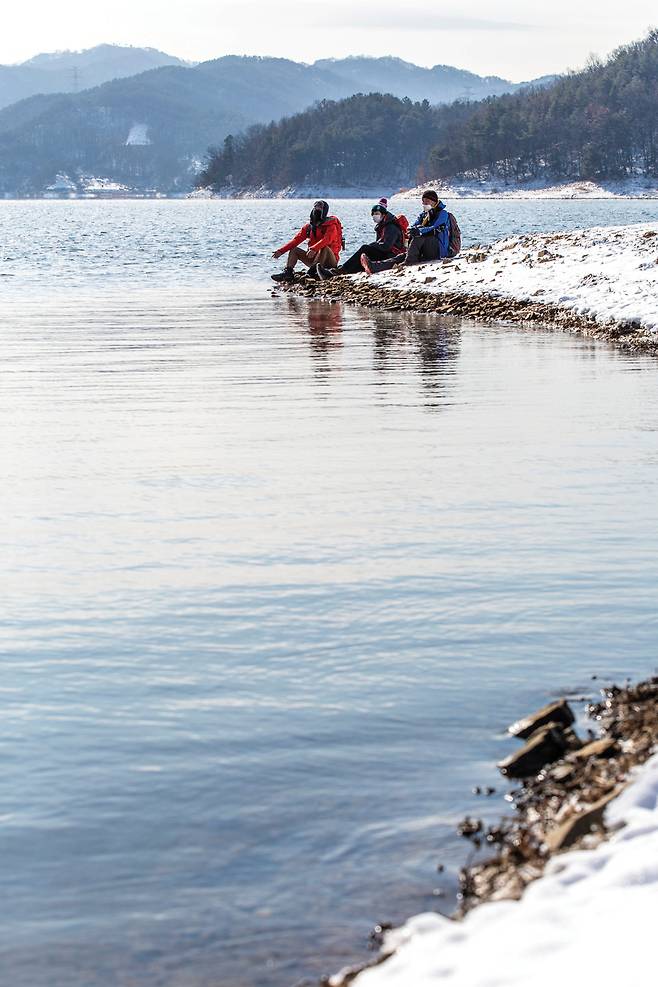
326, 234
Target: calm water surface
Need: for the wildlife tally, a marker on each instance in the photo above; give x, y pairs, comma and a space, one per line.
276, 575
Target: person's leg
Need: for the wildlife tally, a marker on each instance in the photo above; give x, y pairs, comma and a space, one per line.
422, 248
326, 258
288, 275
353, 264
376, 253
431, 248
377, 266
298, 253
413, 250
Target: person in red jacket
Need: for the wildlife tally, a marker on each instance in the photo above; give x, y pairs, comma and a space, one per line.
325, 239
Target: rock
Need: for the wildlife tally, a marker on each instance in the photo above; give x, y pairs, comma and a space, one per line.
546, 745
558, 712
562, 771
598, 748
580, 823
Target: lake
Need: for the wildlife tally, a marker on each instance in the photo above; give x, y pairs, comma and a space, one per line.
277, 575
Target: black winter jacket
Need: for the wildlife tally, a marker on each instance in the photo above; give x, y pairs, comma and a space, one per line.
389, 235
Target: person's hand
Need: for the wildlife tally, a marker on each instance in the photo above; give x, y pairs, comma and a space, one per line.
412, 232
277, 254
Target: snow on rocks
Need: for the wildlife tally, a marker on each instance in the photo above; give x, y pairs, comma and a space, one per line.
592, 916
609, 274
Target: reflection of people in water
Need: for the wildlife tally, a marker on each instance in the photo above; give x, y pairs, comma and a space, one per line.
402, 341
323, 319
403, 338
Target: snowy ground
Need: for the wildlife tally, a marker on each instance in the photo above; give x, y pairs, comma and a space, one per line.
634, 188
641, 188
609, 273
591, 918
295, 192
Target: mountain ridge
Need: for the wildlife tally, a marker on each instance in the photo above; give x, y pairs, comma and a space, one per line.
181, 111
597, 124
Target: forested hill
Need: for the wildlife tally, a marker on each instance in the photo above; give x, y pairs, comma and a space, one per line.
152, 130
601, 123
363, 140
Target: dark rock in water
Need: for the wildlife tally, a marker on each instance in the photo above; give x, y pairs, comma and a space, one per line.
546, 745
558, 712
469, 827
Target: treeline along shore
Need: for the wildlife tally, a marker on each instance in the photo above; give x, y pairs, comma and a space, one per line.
601, 283
599, 124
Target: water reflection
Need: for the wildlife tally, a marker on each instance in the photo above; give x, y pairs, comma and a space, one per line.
322, 319
398, 341
429, 343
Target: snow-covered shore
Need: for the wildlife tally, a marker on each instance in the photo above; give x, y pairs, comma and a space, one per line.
291, 192
630, 188
635, 188
609, 274
601, 282
591, 916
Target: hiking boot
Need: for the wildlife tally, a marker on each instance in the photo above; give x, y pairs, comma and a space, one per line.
365, 264
313, 272
326, 273
285, 277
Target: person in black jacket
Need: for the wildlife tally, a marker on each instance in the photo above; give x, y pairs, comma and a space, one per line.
429, 237
389, 242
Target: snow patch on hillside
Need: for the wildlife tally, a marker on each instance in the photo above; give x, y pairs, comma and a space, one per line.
138, 136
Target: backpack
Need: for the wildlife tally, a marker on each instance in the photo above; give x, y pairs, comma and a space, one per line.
454, 237
403, 223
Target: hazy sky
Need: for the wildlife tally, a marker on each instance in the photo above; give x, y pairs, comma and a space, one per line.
517, 39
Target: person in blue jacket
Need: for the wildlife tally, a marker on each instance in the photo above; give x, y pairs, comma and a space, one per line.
428, 237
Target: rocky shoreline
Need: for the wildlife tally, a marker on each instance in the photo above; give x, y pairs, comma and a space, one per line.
566, 784
601, 283
486, 308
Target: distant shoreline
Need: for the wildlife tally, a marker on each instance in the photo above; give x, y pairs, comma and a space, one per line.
449, 195
458, 190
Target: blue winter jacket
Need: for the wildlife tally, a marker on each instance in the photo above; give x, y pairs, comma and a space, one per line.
438, 227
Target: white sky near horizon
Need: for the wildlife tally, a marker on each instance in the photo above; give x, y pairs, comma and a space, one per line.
513, 38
